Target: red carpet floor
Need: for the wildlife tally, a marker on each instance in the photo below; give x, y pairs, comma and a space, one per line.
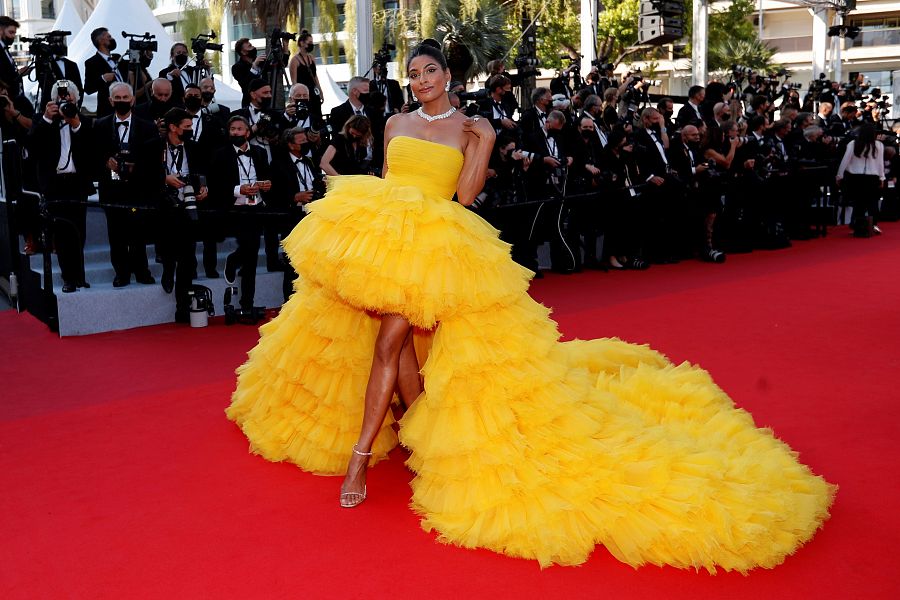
120, 476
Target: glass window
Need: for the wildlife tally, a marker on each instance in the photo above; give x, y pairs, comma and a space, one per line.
12, 7
48, 10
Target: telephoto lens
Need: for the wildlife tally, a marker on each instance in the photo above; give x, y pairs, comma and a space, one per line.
190, 200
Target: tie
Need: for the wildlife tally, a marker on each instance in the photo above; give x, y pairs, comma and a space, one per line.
243, 152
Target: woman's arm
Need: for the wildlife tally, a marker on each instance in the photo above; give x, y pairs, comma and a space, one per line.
292, 67
879, 160
325, 163
388, 134
477, 154
844, 162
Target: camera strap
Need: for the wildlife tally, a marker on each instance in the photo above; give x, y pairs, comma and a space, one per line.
304, 175
176, 154
62, 168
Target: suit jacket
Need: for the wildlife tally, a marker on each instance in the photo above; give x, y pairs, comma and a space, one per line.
94, 69
680, 162
70, 72
212, 136
394, 93
151, 168
227, 175
242, 74
151, 111
341, 113
285, 182
486, 110
531, 121
177, 83
106, 145
538, 173
45, 150
9, 74
647, 156
686, 116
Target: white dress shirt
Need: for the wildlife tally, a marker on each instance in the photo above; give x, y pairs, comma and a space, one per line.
247, 175
65, 164
863, 165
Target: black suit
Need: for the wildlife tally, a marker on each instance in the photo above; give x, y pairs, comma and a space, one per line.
67, 193
341, 113
127, 245
245, 221
391, 90
664, 202
69, 71
241, 71
687, 116
532, 120
488, 108
9, 73
177, 82
94, 69
177, 231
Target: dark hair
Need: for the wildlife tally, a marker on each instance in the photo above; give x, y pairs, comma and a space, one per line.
304, 33
694, 90
758, 101
425, 49
663, 102
235, 118
238, 44
95, 35
755, 122
864, 144
176, 115
497, 81
191, 86
6, 21
175, 45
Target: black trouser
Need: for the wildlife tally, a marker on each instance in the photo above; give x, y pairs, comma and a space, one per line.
623, 224
864, 191
126, 230
667, 219
67, 227
248, 228
177, 233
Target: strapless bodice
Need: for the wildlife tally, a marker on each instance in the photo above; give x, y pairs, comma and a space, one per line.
430, 166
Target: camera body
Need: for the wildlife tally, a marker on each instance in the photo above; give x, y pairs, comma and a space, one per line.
67, 109
382, 58
137, 45
47, 45
123, 164
201, 43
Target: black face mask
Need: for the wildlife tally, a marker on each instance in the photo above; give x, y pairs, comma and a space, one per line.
237, 140
122, 108
310, 46
364, 97
193, 103
265, 102
587, 133
554, 133
251, 54
145, 61
180, 60
207, 96
112, 45
186, 135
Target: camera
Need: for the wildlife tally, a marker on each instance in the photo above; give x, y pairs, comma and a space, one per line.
47, 45
266, 125
383, 57
601, 66
122, 158
137, 45
189, 195
4, 102
472, 96
201, 43
302, 111
284, 36
67, 109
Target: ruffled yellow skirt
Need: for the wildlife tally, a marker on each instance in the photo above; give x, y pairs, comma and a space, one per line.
521, 444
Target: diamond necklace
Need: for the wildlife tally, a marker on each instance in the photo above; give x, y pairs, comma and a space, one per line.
430, 118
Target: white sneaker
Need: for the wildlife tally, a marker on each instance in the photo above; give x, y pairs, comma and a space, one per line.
876, 229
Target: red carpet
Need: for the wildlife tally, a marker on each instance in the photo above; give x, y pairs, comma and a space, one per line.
121, 477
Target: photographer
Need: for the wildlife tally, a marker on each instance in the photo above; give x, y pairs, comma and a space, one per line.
666, 108
296, 182
302, 67
594, 111
389, 88
241, 189
533, 118
704, 165
861, 177
506, 172
210, 106
61, 149
116, 140
498, 67
349, 152
689, 114
10, 73
134, 64
60, 68
625, 212
102, 69
160, 103
249, 66
298, 113
175, 175
179, 73
356, 104
494, 109
823, 117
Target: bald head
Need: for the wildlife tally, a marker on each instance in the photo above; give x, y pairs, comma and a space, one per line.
161, 89
690, 134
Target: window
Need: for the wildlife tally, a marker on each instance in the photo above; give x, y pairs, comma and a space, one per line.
48, 9
876, 31
12, 9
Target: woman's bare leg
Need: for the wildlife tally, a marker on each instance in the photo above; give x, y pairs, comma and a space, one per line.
382, 381
409, 385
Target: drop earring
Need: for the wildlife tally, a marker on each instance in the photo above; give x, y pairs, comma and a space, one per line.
447, 87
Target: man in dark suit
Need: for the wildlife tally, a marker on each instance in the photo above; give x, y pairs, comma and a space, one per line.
10, 72
160, 103
178, 71
689, 114
296, 181
61, 149
494, 109
61, 69
117, 140
171, 164
389, 88
249, 66
210, 106
356, 104
101, 70
241, 187
533, 117
651, 142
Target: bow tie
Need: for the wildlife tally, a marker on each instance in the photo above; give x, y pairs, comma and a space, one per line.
121, 123
243, 153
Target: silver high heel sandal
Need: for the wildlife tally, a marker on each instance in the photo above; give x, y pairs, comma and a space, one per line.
351, 499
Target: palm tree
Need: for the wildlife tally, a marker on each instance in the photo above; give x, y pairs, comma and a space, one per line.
470, 42
750, 53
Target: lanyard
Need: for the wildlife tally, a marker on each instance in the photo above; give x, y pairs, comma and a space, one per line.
69, 157
244, 168
303, 175
177, 155
123, 137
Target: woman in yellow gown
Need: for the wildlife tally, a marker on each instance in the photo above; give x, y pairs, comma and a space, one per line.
519, 443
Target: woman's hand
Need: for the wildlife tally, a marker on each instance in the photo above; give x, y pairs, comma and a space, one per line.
480, 128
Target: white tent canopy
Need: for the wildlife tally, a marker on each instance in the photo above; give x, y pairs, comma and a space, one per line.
68, 19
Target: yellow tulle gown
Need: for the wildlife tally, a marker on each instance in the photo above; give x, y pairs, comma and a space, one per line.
520, 443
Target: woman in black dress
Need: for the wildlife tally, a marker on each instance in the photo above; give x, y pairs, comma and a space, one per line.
302, 67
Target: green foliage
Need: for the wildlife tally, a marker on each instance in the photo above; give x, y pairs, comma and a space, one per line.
559, 33
471, 42
617, 26
427, 17
329, 19
749, 53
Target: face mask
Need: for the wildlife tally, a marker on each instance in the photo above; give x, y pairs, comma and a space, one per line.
122, 108
587, 133
145, 61
193, 102
112, 45
186, 135
305, 147
251, 54
554, 133
364, 97
237, 140
180, 60
265, 102
310, 46
207, 96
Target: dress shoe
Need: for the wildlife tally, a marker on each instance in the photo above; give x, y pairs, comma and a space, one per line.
121, 281
182, 316
274, 267
168, 280
84, 284
146, 279
230, 270
68, 288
